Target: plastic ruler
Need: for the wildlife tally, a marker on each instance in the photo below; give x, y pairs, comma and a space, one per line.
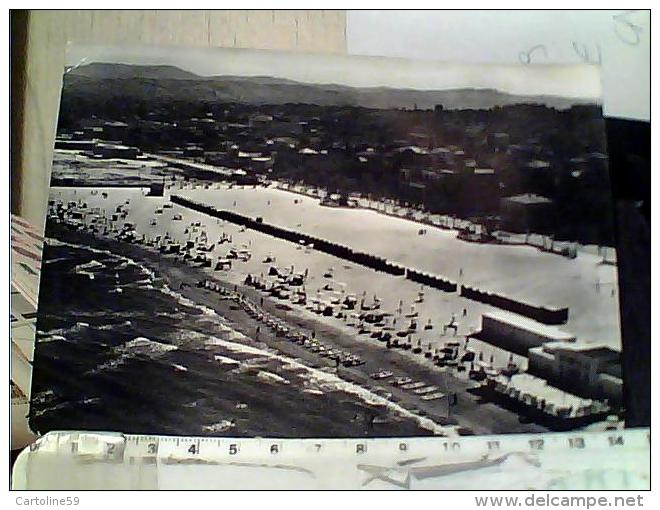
618, 459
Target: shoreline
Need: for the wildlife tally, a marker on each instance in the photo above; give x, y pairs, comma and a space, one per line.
469, 413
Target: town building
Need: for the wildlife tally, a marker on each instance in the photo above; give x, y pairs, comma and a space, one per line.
115, 130
108, 150
588, 370
518, 334
526, 213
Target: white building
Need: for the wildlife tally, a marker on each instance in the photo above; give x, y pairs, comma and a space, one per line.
589, 370
517, 333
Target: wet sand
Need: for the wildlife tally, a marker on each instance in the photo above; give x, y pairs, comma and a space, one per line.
469, 412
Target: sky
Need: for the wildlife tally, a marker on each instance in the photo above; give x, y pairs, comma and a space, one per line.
574, 80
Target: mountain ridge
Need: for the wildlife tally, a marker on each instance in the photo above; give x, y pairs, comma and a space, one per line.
164, 81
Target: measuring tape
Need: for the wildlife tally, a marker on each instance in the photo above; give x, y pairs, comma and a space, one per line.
617, 459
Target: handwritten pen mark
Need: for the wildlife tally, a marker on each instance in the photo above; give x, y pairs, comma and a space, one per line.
623, 24
585, 53
525, 57
423, 472
180, 461
274, 466
410, 461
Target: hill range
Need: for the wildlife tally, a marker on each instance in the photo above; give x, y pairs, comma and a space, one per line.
146, 82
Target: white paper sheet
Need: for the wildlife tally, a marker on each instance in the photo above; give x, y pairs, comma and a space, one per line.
618, 40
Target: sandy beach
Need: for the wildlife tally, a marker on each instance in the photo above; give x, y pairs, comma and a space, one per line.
588, 287
584, 284
470, 413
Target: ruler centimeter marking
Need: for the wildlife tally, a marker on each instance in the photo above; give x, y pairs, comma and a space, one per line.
119, 447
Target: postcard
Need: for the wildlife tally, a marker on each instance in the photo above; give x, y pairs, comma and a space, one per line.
265, 244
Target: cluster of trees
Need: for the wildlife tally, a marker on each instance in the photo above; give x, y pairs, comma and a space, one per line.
364, 150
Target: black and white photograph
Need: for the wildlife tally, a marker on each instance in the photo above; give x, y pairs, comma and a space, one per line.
256, 243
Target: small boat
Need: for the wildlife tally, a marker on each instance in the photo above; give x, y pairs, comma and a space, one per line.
413, 386
400, 381
381, 374
433, 396
425, 390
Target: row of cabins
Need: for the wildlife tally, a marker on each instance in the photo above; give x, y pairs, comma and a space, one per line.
365, 259
542, 313
557, 409
548, 315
